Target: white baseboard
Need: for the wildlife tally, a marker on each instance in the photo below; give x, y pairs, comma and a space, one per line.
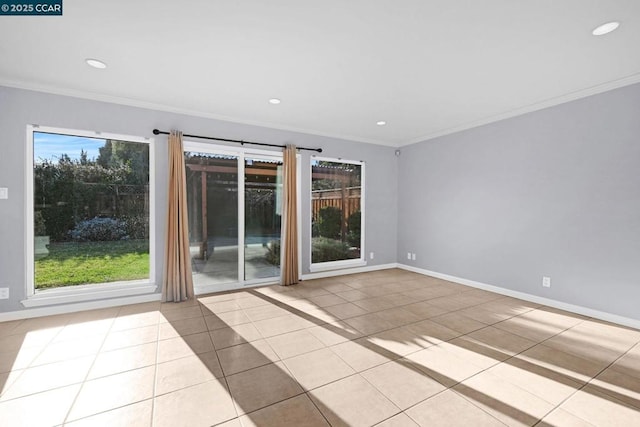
83, 306
585, 311
345, 271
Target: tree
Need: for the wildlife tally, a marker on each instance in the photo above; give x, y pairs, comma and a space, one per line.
72, 190
83, 158
134, 155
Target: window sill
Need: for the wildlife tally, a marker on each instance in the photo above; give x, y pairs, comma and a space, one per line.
73, 294
337, 265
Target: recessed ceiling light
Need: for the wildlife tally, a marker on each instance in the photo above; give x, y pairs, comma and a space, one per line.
274, 101
605, 28
381, 123
95, 63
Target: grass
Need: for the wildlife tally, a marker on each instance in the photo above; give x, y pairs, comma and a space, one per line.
72, 263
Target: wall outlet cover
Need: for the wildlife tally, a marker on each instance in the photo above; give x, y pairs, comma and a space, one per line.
4, 293
546, 281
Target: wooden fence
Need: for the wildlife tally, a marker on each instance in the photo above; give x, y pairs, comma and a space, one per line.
348, 201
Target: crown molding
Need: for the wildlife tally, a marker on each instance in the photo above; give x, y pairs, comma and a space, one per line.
130, 102
551, 102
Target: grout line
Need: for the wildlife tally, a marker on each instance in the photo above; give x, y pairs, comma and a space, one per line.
554, 406
290, 374
75, 399
589, 382
306, 393
282, 304
499, 362
223, 377
266, 406
155, 370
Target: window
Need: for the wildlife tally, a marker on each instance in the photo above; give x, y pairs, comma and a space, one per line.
337, 213
90, 213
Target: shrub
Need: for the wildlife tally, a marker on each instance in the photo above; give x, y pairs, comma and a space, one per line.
39, 227
59, 220
354, 222
324, 249
137, 227
329, 221
273, 252
99, 230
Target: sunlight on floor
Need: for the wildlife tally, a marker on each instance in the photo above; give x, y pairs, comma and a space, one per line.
387, 348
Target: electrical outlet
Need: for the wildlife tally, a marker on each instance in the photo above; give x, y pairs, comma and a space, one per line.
413, 257
546, 281
4, 193
370, 255
4, 293
408, 255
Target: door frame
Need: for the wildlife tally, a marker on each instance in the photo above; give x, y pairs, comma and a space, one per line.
242, 153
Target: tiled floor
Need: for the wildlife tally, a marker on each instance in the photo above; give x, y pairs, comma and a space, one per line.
387, 348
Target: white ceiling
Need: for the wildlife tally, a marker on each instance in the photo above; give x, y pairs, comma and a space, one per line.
425, 67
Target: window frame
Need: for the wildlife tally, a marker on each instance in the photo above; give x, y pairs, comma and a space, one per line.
87, 292
346, 263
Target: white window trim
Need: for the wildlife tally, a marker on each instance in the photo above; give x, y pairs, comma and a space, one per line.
337, 265
243, 152
72, 294
347, 263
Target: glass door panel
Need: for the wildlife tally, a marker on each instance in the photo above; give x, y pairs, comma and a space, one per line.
212, 205
262, 217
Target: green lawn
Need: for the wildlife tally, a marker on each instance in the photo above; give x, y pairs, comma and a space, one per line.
73, 263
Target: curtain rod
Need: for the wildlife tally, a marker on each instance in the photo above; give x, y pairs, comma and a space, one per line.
238, 141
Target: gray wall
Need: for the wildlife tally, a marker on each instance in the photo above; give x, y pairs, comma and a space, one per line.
18, 108
555, 193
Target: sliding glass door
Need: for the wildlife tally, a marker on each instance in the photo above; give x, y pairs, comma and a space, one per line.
212, 204
234, 224
262, 217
